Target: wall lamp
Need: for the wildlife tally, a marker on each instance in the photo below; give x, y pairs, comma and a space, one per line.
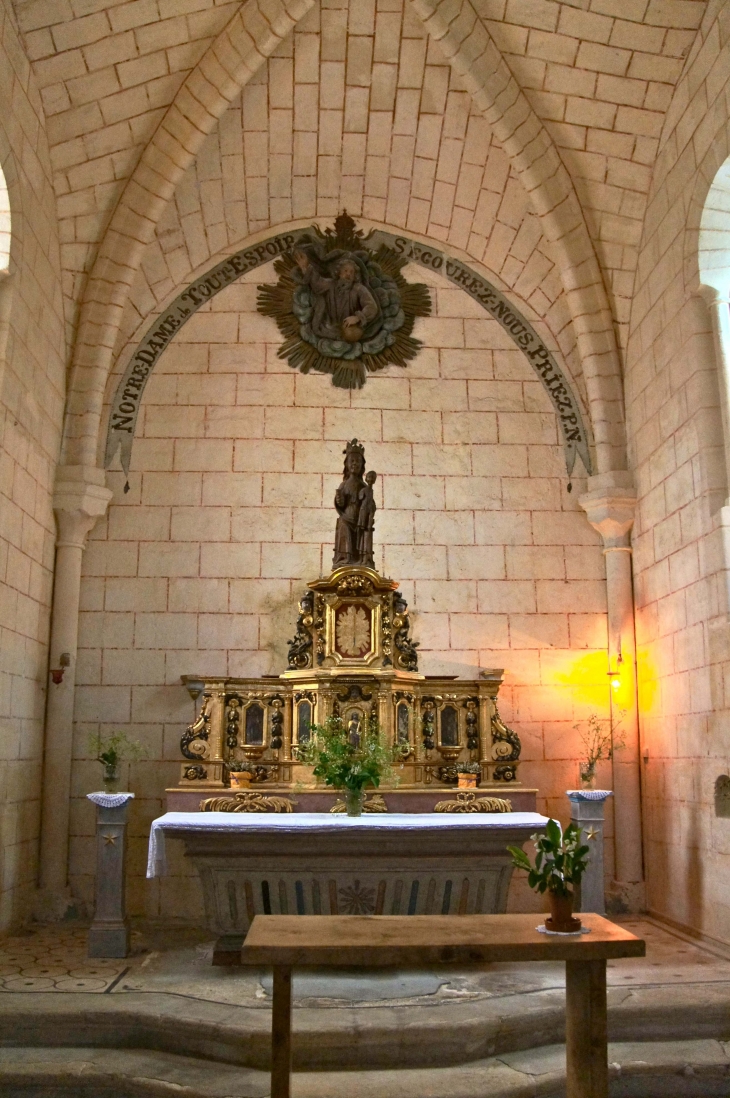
615, 676
57, 673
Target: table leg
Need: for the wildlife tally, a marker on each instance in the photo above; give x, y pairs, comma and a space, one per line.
586, 1032
281, 1033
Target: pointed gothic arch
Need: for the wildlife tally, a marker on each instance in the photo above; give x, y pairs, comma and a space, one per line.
239, 50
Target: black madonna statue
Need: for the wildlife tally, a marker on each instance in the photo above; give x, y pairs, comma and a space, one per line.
344, 308
355, 508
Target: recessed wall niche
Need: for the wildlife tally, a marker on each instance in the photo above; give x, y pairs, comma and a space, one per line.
722, 796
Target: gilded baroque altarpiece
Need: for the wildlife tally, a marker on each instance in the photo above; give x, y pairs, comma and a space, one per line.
352, 655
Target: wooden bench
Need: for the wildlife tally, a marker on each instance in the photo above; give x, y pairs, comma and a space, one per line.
421, 941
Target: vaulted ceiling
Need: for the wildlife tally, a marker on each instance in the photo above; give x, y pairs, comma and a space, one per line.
370, 106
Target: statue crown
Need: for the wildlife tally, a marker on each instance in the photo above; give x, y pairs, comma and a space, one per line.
354, 447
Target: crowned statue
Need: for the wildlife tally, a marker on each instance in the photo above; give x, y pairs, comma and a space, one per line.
355, 506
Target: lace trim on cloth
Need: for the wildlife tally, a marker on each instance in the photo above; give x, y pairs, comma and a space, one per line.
109, 800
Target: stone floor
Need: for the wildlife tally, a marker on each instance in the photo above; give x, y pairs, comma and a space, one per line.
165, 1018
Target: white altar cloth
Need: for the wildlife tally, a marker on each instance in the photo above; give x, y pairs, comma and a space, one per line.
312, 822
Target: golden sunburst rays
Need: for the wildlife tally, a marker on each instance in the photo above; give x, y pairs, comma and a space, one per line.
277, 301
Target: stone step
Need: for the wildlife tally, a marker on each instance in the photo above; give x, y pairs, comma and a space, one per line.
355, 1037
677, 1069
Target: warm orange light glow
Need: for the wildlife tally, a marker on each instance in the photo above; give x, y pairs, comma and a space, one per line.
585, 676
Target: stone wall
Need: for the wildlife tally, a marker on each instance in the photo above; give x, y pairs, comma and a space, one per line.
32, 387
677, 450
198, 567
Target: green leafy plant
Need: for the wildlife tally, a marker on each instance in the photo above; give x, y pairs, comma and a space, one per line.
560, 860
599, 742
111, 750
468, 768
345, 760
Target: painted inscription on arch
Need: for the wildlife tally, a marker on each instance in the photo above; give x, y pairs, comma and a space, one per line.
128, 395
519, 329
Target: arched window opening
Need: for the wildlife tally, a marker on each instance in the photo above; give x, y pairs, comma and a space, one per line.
714, 270
714, 238
4, 224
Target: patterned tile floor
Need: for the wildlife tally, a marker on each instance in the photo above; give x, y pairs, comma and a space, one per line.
54, 959
177, 960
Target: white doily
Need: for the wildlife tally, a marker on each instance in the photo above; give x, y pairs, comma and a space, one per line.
589, 794
542, 929
109, 800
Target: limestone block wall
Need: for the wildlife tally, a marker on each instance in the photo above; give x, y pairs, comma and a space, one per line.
677, 450
31, 407
229, 513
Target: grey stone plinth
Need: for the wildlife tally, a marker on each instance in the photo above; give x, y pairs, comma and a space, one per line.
587, 811
109, 932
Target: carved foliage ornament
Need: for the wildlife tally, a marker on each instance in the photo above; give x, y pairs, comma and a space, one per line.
247, 802
467, 802
343, 308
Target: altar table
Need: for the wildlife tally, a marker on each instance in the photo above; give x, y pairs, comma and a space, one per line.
420, 942
320, 864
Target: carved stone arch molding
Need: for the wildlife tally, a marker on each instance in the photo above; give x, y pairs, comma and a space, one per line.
128, 394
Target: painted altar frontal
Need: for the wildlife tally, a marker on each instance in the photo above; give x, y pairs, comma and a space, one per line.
352, 656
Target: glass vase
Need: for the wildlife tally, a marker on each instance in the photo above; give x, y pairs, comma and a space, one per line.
354, 801
112, 781
587, 777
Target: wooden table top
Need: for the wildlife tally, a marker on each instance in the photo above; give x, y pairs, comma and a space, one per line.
420, 940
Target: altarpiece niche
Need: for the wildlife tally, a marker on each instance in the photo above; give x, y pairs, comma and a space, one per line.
352, 655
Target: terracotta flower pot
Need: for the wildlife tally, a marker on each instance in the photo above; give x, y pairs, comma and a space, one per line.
561, 916
240, 779
467, 781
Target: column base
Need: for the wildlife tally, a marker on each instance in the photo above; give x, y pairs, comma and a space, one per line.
56, 907
109, 941
626, 898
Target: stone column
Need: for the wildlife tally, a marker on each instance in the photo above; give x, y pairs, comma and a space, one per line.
80, 498
6, 300
610, 504
718, 304
587, 811
109, 932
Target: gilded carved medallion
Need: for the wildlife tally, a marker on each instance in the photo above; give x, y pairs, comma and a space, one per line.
352, 629
343, 308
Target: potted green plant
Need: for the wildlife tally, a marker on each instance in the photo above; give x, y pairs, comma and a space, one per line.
348, 757
560, 861
468, 775
110, 751
599, 742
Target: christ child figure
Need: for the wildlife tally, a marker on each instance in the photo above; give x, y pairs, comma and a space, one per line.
366, 521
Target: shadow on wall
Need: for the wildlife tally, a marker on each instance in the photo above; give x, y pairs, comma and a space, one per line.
694, 887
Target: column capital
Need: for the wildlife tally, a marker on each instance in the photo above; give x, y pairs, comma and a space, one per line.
610, 505
713, 295
80, 498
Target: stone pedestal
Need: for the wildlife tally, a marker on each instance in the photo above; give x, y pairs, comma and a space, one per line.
109, 933
587, 811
